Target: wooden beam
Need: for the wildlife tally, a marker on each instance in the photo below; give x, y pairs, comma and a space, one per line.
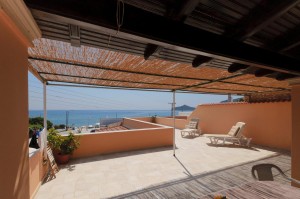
151, 51
150, 28
236, 67
17, 15
259, 17
35, 73
182, 10
290, 46
262, 72
74, 32
286, 41
200, 60
284, 76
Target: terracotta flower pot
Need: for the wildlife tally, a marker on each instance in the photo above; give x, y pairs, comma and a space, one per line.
62, 159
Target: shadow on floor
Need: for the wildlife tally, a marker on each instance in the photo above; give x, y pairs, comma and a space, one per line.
232, 146
195, 186
190, 136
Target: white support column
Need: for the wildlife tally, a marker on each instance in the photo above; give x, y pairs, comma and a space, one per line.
174, 144
45, 106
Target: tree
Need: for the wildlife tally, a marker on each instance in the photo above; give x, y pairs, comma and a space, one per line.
39, 121
60, 126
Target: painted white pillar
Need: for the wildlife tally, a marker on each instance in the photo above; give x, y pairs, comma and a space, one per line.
45, 105
174, 144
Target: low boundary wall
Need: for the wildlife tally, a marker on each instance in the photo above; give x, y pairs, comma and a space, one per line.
142, 135
268, 124
37, 172
179, 123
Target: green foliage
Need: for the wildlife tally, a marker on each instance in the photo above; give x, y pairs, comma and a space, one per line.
54, 139
40, 121
62, 144
32, 127
35, 126
240, 99
60, 126
69, 144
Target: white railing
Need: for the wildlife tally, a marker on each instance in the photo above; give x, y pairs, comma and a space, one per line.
43, 141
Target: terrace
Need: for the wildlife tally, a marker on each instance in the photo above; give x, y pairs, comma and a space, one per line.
248, 48
138, 161
197, 170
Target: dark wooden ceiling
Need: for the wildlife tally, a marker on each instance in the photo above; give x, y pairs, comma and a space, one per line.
260, 37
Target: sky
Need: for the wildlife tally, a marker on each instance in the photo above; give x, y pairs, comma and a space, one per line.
74, 98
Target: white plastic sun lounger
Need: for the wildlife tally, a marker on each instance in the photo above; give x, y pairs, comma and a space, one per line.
191, 129
235, 135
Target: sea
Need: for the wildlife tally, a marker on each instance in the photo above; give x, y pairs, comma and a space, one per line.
79, 118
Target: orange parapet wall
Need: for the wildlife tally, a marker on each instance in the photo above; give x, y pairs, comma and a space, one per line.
168, 121
268, 124
143, 135
136, 123
37, 172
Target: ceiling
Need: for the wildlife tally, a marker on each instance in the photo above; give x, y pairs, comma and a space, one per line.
252, 42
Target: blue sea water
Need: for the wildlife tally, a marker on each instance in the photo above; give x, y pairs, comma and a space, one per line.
90, 117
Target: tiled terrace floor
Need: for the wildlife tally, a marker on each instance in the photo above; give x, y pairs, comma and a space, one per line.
197, 170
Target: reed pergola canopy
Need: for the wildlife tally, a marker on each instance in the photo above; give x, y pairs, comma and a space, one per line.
247, 47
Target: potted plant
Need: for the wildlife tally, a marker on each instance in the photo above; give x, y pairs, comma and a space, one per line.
62, 146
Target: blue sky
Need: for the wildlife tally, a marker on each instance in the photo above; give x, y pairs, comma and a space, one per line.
74, 98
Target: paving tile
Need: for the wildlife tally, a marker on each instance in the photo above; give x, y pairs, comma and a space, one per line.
115, 174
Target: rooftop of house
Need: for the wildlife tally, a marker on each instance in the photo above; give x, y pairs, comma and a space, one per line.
198, 169
113, 128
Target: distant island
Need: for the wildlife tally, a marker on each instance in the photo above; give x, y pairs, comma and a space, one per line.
184, 108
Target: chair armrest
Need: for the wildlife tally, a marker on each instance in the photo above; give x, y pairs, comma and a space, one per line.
285, 176
295, 181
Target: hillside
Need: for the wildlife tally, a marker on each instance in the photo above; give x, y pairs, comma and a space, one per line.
184, 108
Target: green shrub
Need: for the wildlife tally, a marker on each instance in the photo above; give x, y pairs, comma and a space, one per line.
40, 121
60, 126
62, 144
54, 139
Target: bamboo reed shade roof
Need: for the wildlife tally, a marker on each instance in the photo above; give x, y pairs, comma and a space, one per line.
58, 61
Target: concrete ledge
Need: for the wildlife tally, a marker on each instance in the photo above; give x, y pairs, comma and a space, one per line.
179, 123
148, 135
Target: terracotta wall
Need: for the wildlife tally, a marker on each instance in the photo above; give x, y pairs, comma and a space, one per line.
37, 172
14, 167
146, 119
269, 124
296, 133
179, 123
127, 140
138, 124
179, 117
